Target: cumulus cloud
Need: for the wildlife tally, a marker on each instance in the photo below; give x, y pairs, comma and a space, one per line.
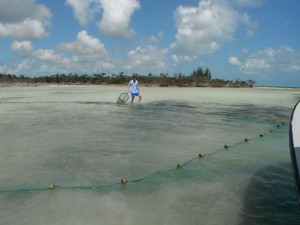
251, 27
25, 66
51, 57
153, 38
88, 52
179, 58
146, 58
27, 29
32, 59
234, 60
281, 60
23, 19
22, 48
253, 66
204, 29
84, 11
116, 17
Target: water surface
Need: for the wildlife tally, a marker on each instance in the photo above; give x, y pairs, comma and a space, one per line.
80, 140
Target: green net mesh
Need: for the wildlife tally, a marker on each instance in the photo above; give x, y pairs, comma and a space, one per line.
123, 97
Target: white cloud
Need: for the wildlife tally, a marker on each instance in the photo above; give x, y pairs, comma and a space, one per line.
116, 17
22, 48
153, 38
23, 67
146, 58
245, 50
234, 60
51, 57
250, 26
204, 29
23, 19
281, 60
33, 59
178, 58
88, 52
84, 10
15, 11
27, 29
85, 44
253, 66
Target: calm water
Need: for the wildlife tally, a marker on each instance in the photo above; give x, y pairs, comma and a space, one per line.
78, 139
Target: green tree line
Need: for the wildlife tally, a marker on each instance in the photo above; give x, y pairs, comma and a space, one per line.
197, 78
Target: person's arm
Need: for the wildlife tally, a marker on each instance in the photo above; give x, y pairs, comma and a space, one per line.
129, 87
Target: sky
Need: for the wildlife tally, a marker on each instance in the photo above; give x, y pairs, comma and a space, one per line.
235, 39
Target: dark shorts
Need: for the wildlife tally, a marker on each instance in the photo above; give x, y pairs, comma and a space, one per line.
133, 94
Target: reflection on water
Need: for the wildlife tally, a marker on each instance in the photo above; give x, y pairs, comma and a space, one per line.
80, 140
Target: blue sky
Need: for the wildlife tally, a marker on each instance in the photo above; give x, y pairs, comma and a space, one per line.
246, 39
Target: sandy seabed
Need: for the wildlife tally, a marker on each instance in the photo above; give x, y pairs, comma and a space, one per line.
80, 140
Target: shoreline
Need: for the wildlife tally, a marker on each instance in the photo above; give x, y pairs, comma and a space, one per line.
11, 85
8, 85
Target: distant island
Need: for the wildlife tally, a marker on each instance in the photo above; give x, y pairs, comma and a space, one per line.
197, 78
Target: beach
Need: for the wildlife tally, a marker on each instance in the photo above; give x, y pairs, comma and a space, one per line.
78, 139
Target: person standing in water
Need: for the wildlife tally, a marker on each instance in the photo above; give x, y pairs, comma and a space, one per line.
133, 88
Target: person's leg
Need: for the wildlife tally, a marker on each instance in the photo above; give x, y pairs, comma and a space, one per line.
132, 98
140, 97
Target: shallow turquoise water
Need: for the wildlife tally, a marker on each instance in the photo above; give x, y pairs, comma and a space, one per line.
78, 138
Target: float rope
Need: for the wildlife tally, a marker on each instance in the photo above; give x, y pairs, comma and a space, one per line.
124, 181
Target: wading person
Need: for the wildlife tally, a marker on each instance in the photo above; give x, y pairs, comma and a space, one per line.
133, 88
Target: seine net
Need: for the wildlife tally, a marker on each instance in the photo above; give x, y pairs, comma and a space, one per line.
123, 97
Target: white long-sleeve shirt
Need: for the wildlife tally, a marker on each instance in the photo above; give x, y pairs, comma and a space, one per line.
133, 86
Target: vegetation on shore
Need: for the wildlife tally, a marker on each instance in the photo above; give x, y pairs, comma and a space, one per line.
198, 78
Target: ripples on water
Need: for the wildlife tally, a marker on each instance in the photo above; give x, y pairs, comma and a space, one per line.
78, 142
